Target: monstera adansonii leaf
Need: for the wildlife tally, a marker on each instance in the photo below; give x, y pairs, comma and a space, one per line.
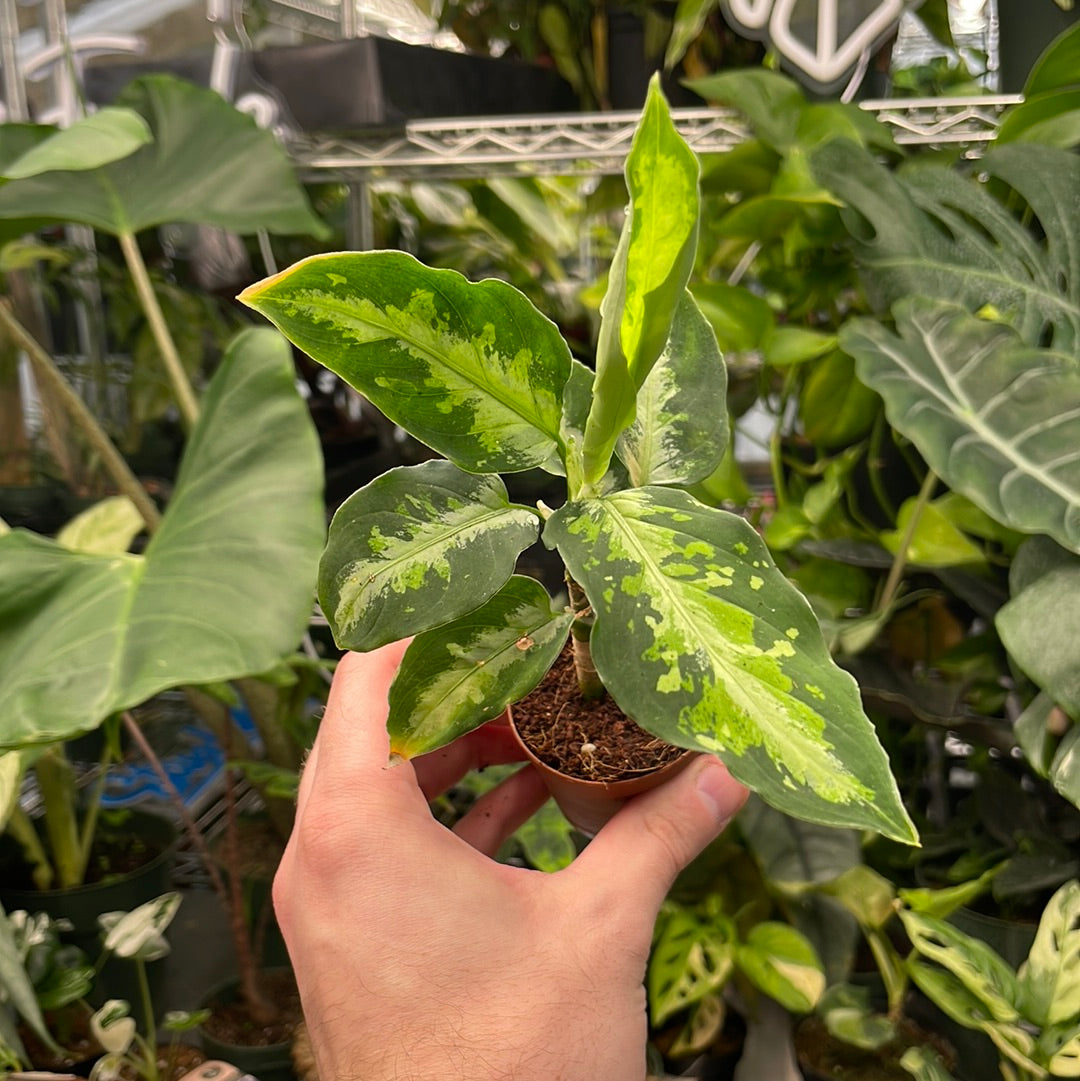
207, 164
986, 383
223, 589
703, 641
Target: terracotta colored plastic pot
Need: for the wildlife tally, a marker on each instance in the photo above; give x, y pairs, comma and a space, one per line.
589, 804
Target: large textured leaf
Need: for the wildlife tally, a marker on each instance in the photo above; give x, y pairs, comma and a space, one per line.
1045, 580
680, 432
208, 164
415, 548
998, 419
456, 677
648, 274
936, 234
104, 136
224, 587
469, 368
692, 958
1050, 979
702, 640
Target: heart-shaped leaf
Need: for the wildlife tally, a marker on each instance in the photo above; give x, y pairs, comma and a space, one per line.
998, 419
456, 677
102, 137
417, 547
680, 432
208, 164
472, 369
223, 589
704, 642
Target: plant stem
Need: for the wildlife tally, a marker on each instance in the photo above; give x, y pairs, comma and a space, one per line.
47, 372
148, 1017
580, 632
22, 829
89, 823
170, 357
896, 571
56, 782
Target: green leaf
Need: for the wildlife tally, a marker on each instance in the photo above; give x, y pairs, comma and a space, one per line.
979, 969
793, 345
935, 234
1057, 67
456, 677
835, 408
1052, 118
942, 903
225, 585
137, 933
93, 141
680, 432
771, 102
999, 420
691, 959
782, 963
106, 528
740, 319
1047, 648
18, 990
547, 839
1050, 978
648, 275
702, 640
472, 369
925, 1064
936, 542
689, 21
417, 547
868, 896
208, 164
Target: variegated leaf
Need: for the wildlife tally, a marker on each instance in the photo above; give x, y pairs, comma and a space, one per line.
680, 432
472, 369
649, 273
1050, 978
691, 959
704, 642
418, 547
780, 961
456, 677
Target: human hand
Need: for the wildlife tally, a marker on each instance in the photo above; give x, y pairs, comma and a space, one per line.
420, 958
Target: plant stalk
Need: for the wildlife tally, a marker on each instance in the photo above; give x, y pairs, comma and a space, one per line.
580, 632
896, 571
170, 357
22, 829
56, 782
149, 1020
48, 373
89, 822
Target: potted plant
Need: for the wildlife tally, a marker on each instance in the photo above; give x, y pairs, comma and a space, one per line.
676, 609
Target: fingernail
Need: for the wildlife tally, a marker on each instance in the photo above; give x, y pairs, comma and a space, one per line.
718, 790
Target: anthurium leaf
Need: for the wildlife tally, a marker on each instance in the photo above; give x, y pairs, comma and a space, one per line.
704, 642
680, 431
981, 971
933, 233
782, 963
106, 528
999, 420
417, 547
208, 164
692, 958
1050, 978
225, 585
95, 140
1046, 648
648, 276
456, 677
472, 369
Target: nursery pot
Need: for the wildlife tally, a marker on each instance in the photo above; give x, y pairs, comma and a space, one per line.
589, 804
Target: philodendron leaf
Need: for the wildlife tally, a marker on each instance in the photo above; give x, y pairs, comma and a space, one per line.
1050, 979
680, 432
704, 642
224, 588
104, 136
997, 419
782, 963
418, 547
207, 164
472, 369
648, 275
456, 677
692, 958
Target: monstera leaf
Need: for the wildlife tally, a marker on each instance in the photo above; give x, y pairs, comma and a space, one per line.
223, 589
207, 164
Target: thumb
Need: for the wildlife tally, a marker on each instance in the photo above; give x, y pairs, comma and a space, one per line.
655, 835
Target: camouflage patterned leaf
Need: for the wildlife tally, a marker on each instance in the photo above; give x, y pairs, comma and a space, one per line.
418, 547
458, 676
704, 642
472, 369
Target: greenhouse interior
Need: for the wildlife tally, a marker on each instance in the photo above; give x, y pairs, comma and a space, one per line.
471, 466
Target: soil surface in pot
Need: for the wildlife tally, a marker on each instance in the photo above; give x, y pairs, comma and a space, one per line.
230, 1022
70, 1028
590, 739
172, 1062
821, 1055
